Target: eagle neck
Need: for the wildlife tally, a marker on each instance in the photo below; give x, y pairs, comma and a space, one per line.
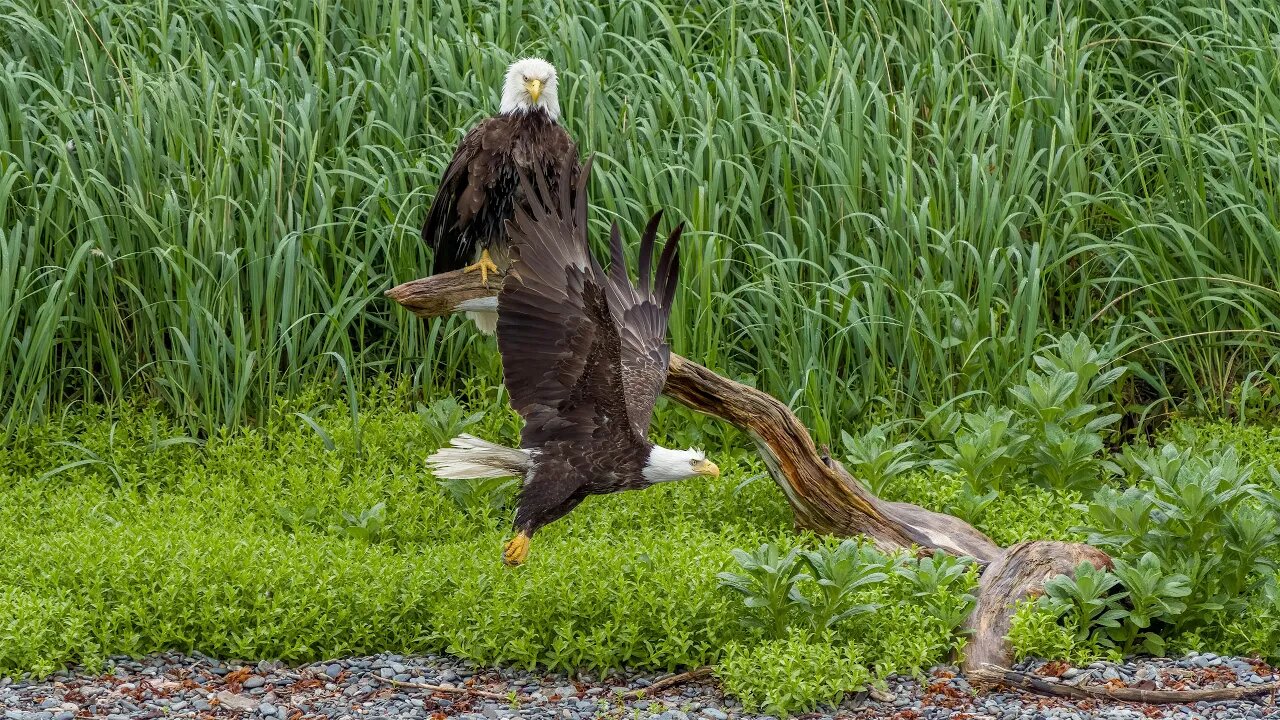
532, 115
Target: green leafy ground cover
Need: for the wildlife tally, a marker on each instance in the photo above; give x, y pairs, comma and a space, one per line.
286, 541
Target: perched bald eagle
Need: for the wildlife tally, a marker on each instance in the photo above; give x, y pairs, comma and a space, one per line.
585, 355
465, 225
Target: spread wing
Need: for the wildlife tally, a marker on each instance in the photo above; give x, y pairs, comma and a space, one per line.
581, 350
641, 316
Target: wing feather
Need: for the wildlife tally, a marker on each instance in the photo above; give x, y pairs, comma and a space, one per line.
581, 349
641, 315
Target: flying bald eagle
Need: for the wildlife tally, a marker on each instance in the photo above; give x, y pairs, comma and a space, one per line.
465, 225
585, 355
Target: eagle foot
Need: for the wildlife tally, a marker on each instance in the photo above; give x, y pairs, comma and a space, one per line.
485, 265
516, 550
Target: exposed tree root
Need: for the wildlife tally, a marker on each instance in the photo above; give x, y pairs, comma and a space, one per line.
998, 676
667, 682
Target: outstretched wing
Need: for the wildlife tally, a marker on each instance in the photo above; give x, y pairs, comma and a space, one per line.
554, 330
581, 350
641, 316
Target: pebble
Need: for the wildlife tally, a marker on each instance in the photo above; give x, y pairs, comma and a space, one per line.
273, 693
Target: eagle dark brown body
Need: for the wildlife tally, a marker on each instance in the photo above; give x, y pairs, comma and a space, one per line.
480, 186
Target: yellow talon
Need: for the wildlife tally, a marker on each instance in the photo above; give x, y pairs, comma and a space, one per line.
485, 265
516, 550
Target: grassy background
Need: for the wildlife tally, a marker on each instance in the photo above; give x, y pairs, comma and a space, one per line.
200, 202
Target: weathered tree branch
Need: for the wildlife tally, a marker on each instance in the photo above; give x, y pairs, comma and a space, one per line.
823, 495
440, 295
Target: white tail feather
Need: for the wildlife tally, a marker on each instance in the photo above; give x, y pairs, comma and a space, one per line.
468, 458
486, 322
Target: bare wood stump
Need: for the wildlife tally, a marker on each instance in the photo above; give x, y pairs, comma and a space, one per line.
823, 495
1020, 572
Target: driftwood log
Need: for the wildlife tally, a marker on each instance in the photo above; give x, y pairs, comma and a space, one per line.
824, 496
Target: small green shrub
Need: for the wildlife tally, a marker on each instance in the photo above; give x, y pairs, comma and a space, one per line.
792, 674
1037, 630
841, 574
444, 419
1053, 434
818, 589
986, 452
769, 585
875, 460
482, 496
942, 585
1193, 544
1198, 516
1152, 595
1085, 599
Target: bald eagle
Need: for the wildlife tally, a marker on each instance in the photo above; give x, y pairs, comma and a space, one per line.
585, 356
465, 225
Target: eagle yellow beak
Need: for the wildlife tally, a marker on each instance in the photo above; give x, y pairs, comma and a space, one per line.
707, 468
534, 87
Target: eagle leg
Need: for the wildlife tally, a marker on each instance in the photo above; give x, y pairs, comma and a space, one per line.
485, 265
516, 549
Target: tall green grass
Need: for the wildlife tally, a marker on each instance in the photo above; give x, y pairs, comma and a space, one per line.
890, 201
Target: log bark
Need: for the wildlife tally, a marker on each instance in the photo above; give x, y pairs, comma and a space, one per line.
823, 495
440, 295
1020, 572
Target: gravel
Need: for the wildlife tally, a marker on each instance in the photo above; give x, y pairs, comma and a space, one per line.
178, 686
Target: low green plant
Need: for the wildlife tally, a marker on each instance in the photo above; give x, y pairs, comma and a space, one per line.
369, 525
1152, 595
1200, 517
1037, 630
298, 519
444, 419
1126, 609
769, 587
1192, 543
1053, 434
1086, 600
942, 584
795, 673
841, 574
986, 451
482, 495
876, 460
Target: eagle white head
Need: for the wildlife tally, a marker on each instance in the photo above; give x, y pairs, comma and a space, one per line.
666, 465
531, 83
